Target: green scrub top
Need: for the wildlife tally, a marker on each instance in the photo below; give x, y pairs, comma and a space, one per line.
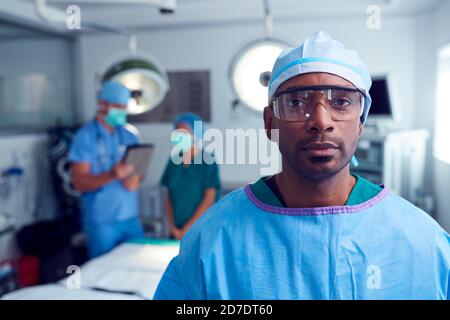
363, 190
186, 186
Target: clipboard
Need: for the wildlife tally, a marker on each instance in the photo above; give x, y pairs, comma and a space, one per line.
139, 156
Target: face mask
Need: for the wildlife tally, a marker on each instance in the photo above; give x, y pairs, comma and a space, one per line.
116, 117
182, 140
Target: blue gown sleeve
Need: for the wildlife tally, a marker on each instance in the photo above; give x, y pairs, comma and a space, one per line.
82, 147
184, 277
444, 247
170, 287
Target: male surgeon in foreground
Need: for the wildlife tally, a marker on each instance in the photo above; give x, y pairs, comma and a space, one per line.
313, 231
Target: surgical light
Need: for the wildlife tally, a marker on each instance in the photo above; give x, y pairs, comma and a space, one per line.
141, 73
250, 71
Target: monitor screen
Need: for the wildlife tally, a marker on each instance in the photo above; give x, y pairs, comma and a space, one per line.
381, 102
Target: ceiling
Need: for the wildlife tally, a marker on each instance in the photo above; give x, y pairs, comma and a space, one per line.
204, 12
13, 31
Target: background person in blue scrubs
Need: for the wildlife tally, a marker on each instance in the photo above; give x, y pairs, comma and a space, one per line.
109, 189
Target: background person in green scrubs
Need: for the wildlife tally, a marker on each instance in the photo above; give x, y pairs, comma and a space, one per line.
192, 187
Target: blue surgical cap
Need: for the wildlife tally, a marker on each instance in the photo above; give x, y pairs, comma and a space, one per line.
320, 53
189, 119
114, 92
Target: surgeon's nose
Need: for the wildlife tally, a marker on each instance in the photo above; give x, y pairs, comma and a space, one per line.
320, 119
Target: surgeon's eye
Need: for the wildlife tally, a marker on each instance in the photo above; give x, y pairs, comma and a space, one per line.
341, 103
295, 102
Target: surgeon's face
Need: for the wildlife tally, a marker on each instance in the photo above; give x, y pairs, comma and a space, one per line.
184, 126
105, 106
184, 129
319, 147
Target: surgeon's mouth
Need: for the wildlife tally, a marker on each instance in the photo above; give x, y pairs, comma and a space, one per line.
320, 149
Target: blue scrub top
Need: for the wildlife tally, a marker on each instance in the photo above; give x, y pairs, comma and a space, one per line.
243, 248
94, 144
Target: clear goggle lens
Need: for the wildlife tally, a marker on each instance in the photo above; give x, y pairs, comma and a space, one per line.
297, 104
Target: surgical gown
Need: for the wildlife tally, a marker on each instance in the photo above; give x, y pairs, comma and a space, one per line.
243, 248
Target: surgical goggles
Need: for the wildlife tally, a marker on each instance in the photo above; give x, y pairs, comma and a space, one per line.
297, 104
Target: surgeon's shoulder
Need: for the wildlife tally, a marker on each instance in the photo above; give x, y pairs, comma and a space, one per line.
224, 213
416, 221
131, 132
85, 133
226, 209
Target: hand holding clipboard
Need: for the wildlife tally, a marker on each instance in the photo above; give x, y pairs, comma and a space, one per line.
139, 156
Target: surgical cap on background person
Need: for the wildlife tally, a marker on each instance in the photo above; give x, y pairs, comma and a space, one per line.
114, 92
189, 118
320, 53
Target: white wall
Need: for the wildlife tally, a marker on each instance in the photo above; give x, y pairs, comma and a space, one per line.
432, 33
25, 101
442, 170
33, 198
388, 50
425, 87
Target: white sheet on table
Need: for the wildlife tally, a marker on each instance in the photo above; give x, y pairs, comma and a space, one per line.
59, 292
130, 267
